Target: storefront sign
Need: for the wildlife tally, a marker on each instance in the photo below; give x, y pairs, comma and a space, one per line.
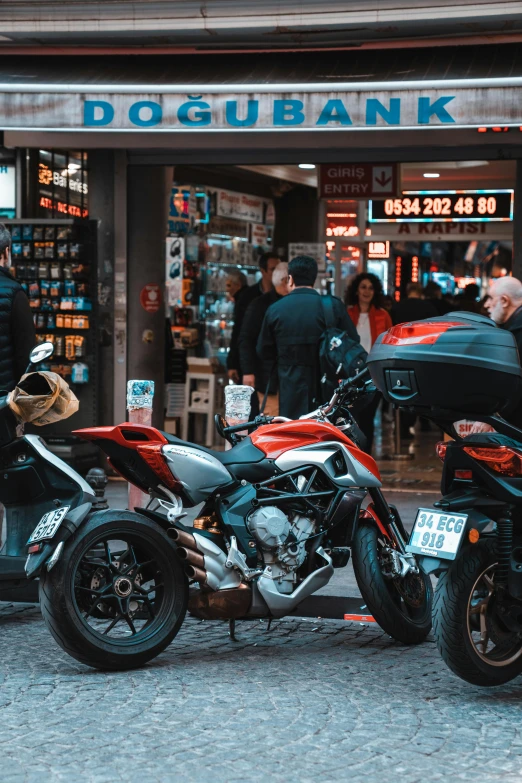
240, 206
357, 180
150, 297
457, 206
316, 250
439, 232
378, 250
457, 103
259, 235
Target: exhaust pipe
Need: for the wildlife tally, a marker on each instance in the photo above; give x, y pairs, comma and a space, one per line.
192, 557
182, 538
196, 573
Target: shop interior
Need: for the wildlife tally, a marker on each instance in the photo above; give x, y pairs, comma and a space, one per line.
224, 218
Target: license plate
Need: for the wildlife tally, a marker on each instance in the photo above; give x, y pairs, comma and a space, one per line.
49, 524
437, 533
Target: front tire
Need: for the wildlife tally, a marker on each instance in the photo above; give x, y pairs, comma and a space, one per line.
117, 596
402, 607
469, 632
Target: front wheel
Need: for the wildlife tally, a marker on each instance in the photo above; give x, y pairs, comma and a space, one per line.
118, 595
402, 607
471, 634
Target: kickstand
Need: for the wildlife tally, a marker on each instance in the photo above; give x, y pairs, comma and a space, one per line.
232, 630
269, 624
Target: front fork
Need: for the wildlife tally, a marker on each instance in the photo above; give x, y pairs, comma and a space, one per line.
390, 524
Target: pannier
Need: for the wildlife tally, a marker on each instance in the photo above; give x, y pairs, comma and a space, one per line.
459, 361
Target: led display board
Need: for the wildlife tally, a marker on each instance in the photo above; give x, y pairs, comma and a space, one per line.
456, 206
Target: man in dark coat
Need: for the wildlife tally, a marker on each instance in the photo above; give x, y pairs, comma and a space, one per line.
291, 333
260, 372
414, 307
243, 297
17, 335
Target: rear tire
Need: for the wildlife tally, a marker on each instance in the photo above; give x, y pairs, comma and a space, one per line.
404, 621
141, 592
456, 628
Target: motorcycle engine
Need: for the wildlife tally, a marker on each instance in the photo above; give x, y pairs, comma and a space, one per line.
282, 539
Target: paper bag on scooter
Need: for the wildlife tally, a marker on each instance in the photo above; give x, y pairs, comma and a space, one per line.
42, 398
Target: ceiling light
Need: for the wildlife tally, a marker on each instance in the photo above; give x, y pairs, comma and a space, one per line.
307, 165
431, 175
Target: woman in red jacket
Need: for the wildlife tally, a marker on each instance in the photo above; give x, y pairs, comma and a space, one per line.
363, 297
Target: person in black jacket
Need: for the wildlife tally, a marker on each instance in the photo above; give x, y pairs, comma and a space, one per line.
414, 307
291, 333
257, 372
17, 334
243, 296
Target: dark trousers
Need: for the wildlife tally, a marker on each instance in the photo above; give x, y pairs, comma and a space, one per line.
365, 419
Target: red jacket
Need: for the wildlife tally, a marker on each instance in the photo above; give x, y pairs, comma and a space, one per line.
380, 320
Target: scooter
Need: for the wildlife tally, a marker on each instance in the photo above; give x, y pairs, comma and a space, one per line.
281, 510
34, 485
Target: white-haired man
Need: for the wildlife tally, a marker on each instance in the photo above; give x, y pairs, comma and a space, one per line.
257, 372
504, 304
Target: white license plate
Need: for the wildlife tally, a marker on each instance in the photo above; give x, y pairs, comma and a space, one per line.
49, 524
437, 533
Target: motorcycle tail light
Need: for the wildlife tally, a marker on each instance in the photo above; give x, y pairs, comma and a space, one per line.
441, 449
423, 333
153, 456
500, 459
464, 475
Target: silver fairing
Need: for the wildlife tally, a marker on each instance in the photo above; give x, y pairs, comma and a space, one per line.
200, 473
325, 456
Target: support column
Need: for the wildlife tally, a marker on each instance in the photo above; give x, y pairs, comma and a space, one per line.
101, 209
120, 286
517, 224
148, 190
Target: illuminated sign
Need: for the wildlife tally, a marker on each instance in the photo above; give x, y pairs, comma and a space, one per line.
342, 231
457, 206
398, 276
378, 249
61, 206
360, 180
61, 179
415, 269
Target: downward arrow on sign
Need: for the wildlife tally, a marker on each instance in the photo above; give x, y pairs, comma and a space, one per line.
383, 180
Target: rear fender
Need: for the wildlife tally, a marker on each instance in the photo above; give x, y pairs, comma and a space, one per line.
69, 525
370, 513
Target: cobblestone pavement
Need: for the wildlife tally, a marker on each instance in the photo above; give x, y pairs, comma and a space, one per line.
307, 701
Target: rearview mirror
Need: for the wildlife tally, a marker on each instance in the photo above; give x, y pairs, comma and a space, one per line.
41, 352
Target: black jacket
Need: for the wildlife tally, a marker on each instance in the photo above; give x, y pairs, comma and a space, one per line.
291, 333
514, 325
243, 298
17, 335
251, 363
413, 310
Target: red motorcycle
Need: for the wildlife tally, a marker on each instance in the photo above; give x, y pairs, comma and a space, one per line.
279, 512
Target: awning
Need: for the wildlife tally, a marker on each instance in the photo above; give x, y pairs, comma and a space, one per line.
457, 87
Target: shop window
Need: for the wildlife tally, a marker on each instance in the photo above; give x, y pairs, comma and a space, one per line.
63, 189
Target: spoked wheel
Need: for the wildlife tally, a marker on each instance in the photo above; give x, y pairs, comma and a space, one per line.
471, 620
118, 595
401, 606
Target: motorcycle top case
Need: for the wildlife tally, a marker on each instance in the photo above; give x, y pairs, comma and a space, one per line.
459, 361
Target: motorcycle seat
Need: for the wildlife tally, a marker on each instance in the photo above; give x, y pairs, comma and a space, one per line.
244, 453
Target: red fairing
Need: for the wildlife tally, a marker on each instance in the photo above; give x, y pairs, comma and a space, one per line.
418, 332
130, 436
274, 439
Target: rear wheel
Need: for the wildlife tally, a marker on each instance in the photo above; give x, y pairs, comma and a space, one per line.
118, 595
471, 635
402, 607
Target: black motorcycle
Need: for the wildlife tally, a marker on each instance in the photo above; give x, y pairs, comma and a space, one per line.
38, 490
461, 366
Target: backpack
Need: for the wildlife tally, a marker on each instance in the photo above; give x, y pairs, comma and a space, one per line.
340, 357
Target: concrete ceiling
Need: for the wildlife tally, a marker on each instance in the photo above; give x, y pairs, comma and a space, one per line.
454, 175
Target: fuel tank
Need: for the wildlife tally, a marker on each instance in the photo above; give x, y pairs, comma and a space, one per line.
304, 442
